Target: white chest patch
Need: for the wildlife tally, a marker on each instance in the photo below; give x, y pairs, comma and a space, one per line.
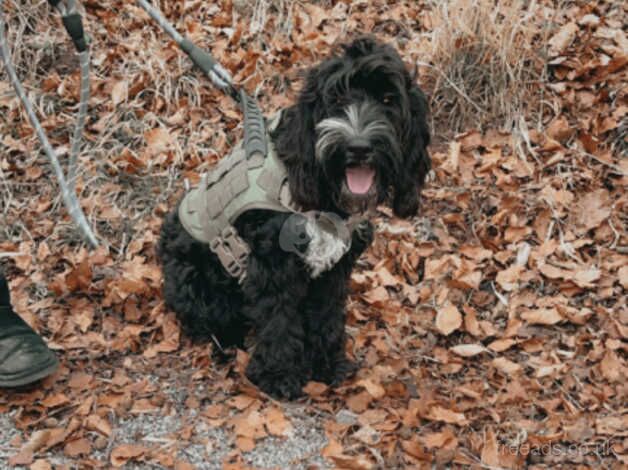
324, 249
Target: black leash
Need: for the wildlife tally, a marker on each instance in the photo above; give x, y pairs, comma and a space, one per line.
254, 125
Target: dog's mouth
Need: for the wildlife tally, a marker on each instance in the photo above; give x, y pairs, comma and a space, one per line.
358, 194
359, 179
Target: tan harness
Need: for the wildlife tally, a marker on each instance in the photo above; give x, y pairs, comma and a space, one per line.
238, 183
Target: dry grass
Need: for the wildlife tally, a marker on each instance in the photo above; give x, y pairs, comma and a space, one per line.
486, 62
261, 11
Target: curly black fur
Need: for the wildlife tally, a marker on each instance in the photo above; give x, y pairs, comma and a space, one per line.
298, 321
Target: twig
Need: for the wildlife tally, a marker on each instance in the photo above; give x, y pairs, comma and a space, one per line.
69, 198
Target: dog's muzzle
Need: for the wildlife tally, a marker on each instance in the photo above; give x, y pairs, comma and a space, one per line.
360, 135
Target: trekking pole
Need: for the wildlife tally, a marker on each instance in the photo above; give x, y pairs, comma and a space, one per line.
74, 26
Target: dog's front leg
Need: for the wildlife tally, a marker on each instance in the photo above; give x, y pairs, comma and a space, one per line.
274, 289
325, 313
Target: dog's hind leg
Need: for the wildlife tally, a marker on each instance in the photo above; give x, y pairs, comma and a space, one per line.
207, 301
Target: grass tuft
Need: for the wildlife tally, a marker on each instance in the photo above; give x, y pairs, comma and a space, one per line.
485, 62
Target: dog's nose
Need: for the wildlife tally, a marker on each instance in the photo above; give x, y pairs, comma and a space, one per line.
358, 149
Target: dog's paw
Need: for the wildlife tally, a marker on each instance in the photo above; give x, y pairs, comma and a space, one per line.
342, 370
283, 387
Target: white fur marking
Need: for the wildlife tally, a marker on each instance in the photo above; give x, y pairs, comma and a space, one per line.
336, 128
324, 249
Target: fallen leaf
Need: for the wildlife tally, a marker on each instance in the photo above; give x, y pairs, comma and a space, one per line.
40, 464
542, 316
439, 440
506, 366
565, 35
448, 319
439, 413
612, 368
490, 450
276, 423
508, 279
125, 453
77, 447
245, 444
119, 92
468, 350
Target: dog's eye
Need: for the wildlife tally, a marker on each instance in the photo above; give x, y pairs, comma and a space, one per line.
387, 99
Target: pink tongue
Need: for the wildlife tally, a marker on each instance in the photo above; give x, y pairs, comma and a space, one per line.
359, 179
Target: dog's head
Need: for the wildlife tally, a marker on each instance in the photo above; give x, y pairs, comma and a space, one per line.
357, 135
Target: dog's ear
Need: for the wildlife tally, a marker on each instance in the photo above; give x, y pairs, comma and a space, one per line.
416, 160
294, 140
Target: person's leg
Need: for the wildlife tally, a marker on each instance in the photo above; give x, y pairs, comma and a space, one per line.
24, 357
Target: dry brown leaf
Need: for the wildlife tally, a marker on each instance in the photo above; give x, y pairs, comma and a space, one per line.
359, 402
158, 140
183, 465
415, 449
448, 319
333, 448
315, 389
37, 441
612, 368
98, 424
612, 425
125, 453
542, 316
476, 253
560, 130
276, 423
245, 444
508, 279
77, 447
367, 435
40, 464
352, 463
445, 439
119, 92
374, 388
585, 277
559, 42
592, 209
506, 366
439, 413
468, 350
377, 297
500, 345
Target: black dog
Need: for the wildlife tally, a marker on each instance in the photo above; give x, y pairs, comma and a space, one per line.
356, 138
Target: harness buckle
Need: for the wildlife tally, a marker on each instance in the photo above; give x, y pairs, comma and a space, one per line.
232, 252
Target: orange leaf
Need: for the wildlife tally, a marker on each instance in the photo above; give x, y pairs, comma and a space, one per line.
77, 447
542, 316
448, 319
125, 453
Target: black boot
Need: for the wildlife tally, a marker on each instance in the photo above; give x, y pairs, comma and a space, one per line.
24, 357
